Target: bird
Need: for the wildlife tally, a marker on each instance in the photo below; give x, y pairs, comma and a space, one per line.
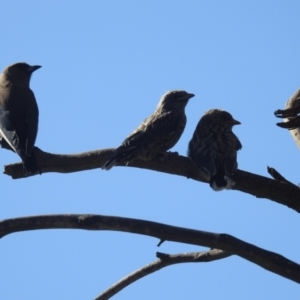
19, 113
156, 134
291, 115
213, 148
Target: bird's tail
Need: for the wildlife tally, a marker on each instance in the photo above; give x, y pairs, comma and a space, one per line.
30, 165
220, 181
118, 158
110, 163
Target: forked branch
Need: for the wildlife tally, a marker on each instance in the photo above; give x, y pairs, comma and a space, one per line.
164, 260
268, 260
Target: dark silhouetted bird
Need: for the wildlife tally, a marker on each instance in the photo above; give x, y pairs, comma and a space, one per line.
19, 113
157, 134
214, 146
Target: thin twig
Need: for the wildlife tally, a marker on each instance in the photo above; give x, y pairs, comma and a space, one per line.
164, 260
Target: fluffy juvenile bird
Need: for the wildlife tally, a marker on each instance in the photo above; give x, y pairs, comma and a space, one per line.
19, 113
158, 133
213, 147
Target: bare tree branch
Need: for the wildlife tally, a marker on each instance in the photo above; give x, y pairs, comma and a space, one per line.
163, 260
256, 185
268, 260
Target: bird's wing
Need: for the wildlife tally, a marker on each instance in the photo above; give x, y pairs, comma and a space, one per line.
32, 119
207, 163
9, 134
200, 153
230, 163
153, 128
164, 124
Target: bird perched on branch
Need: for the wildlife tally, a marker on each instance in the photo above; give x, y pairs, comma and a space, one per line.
291, 115
19, 113
213, 148
157, 134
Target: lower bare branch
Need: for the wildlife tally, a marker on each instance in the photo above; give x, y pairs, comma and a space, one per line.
163, 261
266, 259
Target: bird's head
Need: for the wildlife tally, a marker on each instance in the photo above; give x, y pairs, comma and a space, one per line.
174, 100
221, 117
19, 72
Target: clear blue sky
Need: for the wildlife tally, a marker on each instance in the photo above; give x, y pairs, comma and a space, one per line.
105, 65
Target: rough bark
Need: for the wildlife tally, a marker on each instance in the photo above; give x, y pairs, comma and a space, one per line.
268, 260
256, 185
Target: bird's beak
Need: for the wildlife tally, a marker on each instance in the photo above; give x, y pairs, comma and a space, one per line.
33, 68
235, 122
187, 96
